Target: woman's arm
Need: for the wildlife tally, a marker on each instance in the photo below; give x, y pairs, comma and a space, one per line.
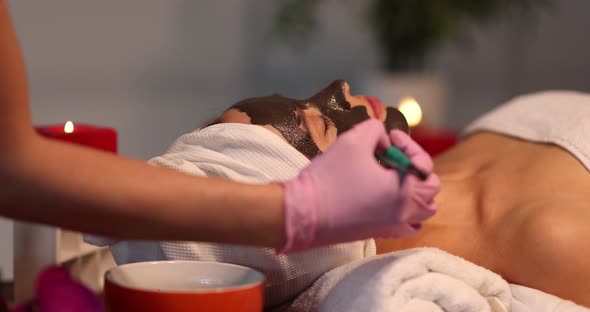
73, 187
550, 249
69, 186
15, 120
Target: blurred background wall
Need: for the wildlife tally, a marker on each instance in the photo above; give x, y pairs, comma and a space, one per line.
155, 69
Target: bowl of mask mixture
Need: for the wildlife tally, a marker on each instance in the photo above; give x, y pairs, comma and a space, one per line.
181, 286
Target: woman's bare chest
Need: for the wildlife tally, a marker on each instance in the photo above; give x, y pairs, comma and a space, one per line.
532, 177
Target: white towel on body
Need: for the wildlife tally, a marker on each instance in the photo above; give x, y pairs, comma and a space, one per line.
557, 117
526, 299
246, 153
421, 279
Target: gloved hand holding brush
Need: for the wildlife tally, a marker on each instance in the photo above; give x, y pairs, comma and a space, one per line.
346, 194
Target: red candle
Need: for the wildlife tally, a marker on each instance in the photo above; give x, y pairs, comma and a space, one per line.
102, 138
434, 141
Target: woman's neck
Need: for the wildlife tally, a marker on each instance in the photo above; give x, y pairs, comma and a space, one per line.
462, 171
458, 217
450, 229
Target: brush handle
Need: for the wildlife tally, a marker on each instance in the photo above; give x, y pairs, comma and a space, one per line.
396, 159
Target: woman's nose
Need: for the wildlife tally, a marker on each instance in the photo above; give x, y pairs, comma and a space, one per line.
355, 100
359, 100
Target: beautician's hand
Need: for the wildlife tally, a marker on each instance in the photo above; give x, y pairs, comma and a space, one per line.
418, 196
346, 195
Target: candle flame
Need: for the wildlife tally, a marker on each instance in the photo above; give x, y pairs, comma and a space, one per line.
410, 108
69, 127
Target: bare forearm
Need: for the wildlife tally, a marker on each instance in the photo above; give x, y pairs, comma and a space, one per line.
64, 185
69, 186
14, 102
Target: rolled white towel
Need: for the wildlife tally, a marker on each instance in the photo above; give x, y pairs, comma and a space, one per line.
421, 279
526, 299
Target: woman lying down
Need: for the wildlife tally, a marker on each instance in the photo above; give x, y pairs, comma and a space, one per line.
515, 193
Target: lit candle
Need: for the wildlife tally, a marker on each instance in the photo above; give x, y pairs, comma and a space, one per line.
433, 141
410, 108
102, 138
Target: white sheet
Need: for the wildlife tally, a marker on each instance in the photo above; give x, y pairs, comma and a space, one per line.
557, 117
526, 299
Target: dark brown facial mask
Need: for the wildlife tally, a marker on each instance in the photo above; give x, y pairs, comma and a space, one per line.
284, 114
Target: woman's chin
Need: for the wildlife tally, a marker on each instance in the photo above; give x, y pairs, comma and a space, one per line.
395, 120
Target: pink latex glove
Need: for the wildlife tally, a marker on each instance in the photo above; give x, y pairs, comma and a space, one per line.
56, 291
418, 199
346, 195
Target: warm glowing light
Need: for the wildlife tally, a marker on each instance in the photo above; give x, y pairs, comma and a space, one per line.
411, 110
69, 127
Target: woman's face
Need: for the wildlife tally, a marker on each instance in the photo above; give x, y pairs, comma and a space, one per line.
311, 125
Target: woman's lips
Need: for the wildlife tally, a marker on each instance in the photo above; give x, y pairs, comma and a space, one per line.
376, 105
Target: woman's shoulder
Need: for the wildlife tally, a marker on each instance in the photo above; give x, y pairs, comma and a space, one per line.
548, 249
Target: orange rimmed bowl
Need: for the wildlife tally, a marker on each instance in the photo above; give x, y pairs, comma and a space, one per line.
181, 286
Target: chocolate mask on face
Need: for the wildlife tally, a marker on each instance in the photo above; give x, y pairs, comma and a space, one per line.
286, 115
